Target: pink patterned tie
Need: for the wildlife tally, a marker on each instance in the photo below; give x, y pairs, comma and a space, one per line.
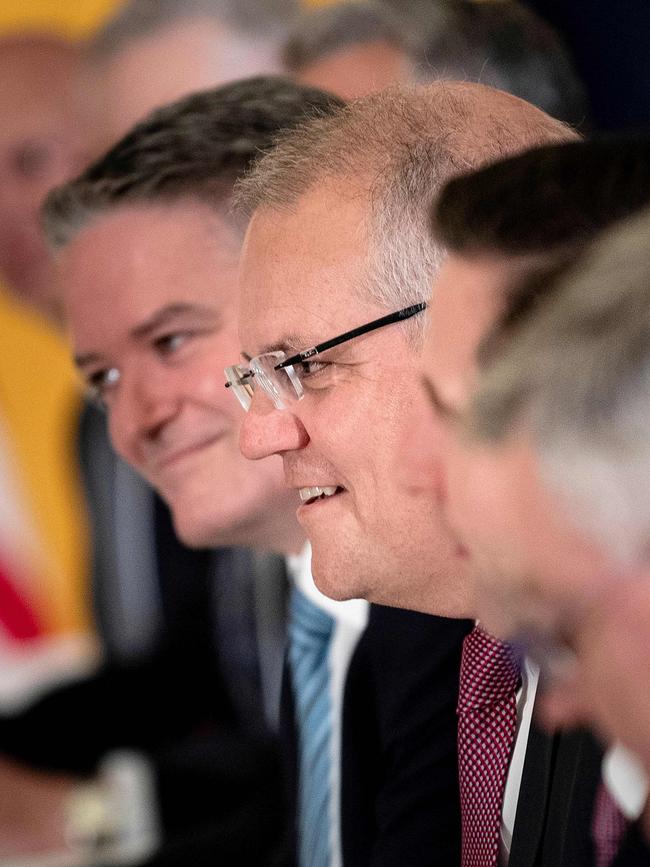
487, 722
607, 827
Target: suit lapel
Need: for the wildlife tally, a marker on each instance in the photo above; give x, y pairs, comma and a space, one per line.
532, 805
552, 825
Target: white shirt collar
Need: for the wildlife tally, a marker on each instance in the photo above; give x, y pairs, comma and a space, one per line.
351, 611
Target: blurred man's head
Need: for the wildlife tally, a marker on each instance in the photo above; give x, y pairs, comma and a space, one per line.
339, 238
148, 259
41, 145
356, 48
155, 51
501, 225
351, 48
571, 379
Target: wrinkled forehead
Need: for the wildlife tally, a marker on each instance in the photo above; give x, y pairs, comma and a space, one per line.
303, 273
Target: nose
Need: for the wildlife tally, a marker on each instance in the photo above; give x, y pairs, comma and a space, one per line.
144, 402
268, 431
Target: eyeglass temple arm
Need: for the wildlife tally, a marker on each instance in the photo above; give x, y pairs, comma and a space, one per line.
398, 316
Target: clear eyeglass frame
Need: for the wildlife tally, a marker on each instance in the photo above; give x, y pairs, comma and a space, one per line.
276, 373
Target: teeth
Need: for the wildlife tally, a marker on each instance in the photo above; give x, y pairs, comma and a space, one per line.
307, 494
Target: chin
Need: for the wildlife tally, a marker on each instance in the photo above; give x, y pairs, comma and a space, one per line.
335, 583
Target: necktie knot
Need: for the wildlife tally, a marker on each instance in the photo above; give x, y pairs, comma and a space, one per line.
489, 671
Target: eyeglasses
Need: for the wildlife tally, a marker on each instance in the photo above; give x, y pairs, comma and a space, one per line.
279, 376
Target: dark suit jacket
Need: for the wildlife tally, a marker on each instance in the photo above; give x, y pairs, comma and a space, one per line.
399, 778
399, 799
562, 773
560, 778
189, 638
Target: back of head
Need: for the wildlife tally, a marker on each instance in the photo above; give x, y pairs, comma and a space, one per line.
195, 148
41, 144
397, 148
155, 51
577, 375
502, 44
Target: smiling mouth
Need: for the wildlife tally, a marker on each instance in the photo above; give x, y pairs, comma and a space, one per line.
310, 495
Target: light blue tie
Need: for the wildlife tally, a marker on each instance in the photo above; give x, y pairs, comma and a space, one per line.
310, 630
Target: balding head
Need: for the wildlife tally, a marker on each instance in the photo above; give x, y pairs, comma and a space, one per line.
397, 149
40, 147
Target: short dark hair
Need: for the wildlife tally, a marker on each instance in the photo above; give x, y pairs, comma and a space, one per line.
547, 203
197, 147
548, 197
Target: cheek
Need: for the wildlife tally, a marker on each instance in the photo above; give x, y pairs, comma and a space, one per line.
204, 382
467, 495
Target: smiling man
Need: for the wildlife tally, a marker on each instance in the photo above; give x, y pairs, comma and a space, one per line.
338, 239
336, 269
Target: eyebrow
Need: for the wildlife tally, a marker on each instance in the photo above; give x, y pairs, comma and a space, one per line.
439, 405
289, 343
87, 358
166, 315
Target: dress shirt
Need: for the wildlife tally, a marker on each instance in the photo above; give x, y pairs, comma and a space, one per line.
626, 780
350, 619
525, 703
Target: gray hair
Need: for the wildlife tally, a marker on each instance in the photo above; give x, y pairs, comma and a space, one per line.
195, 148
577, 376
398, 148
256, 19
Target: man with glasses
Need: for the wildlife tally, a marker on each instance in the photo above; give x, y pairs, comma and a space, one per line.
338, 254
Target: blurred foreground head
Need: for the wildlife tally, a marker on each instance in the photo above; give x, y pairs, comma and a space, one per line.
41, 145
508, 228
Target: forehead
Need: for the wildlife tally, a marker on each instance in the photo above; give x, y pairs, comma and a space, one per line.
127, 262
305, 270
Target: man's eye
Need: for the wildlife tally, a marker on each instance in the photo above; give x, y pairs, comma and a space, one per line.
99, 384
168, 344
311, 368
